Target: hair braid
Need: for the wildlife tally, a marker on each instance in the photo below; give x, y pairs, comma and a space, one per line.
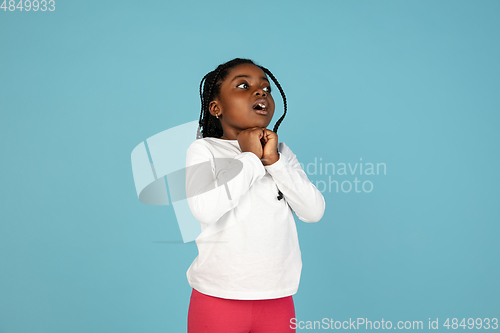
202, 102
214, 127
268, 72
211, 126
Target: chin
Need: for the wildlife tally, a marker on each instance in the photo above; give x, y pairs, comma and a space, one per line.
261, 124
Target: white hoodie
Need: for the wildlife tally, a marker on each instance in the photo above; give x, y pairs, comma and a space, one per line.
248, 246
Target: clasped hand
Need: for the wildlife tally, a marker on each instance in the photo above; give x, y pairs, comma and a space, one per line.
260, 141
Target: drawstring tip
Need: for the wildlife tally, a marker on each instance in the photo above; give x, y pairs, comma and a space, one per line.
280, 195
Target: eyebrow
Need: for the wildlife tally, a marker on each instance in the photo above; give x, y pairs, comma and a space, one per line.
237, 76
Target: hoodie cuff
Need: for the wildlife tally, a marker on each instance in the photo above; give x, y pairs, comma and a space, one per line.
277, 166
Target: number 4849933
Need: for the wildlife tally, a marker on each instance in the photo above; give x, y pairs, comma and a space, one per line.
478, 323
28, 5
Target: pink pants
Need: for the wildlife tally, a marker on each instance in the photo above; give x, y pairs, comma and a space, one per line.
209, 314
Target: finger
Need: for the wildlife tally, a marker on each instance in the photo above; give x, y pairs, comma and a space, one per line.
268, 132
265, 136
269, 136
257, 131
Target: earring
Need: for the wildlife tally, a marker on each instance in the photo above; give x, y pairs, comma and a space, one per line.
217, 116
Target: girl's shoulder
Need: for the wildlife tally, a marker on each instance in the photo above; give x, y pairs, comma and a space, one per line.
213, 147
215, 144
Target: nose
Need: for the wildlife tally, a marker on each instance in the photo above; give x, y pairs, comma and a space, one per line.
260, 92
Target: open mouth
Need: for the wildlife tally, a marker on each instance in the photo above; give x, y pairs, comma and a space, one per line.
260, 106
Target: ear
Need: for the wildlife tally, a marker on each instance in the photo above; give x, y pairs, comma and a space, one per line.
214, 108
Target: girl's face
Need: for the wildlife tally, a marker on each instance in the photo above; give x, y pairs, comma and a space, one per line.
245, 87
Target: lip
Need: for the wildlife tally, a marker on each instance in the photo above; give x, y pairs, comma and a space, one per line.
262, 112
266, 105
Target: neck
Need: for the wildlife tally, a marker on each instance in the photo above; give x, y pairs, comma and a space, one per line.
223, 137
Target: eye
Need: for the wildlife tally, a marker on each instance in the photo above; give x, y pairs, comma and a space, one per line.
267, 89
241, 84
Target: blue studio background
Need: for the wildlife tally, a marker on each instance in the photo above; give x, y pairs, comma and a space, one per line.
412, 85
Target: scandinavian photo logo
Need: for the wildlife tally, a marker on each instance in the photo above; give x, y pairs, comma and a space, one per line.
332, 175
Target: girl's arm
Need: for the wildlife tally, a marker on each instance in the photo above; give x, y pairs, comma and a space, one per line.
211, 195
303, 197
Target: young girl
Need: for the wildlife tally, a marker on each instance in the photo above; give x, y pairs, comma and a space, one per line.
242, 186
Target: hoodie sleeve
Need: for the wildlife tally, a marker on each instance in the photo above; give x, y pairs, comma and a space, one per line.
212, 193
301, 195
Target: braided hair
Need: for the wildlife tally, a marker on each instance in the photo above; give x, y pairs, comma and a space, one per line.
210, 126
